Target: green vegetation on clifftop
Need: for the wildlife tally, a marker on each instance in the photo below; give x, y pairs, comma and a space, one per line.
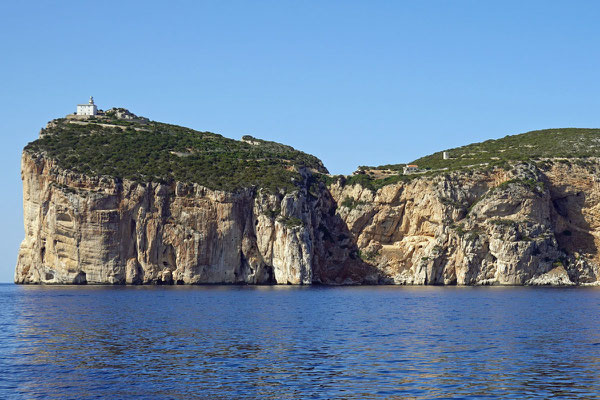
558, 144
530, 146
162, 153
143, 150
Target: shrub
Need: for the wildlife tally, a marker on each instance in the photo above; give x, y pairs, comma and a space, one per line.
504, 222
290, 222
351, 203
368, 256
459, 229
273, 213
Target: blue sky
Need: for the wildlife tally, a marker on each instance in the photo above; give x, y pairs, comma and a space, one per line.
352, 82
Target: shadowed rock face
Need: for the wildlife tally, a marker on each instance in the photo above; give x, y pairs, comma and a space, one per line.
523, 226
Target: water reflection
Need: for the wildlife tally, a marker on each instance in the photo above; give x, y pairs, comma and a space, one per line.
286, 342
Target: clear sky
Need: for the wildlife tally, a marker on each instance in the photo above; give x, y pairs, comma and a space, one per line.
352, 82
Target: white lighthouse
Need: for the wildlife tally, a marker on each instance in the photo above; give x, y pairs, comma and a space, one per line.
87, 109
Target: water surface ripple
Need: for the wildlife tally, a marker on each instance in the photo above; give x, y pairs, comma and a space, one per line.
227, 342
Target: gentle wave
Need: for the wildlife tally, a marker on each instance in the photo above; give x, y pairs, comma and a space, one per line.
224, 342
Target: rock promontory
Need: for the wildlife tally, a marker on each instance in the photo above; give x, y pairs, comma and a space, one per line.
113, 200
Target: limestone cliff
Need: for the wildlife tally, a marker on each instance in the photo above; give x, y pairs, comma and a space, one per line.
99, 230
270, 218
526, 225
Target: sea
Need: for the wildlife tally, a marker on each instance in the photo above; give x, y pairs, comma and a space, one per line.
290, 342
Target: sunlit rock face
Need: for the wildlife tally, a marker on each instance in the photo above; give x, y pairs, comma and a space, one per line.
102, 231
517, 227
525, 225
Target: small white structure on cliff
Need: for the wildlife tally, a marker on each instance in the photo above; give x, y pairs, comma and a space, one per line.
410, 169
87, 109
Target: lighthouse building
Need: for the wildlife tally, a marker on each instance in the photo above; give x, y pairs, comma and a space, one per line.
87, 109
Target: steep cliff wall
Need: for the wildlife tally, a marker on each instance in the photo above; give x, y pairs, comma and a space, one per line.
529, 225
99, 230
491, 221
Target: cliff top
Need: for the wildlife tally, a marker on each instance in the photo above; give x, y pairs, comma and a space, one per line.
138, 149
530, 146
534, 146
123, 145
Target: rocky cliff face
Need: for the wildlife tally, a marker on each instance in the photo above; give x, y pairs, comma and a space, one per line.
530, 225
533, 224
80, 229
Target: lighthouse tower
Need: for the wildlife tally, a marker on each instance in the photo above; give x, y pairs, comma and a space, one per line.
87, 109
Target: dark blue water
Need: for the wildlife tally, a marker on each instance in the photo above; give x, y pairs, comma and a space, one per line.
295, 342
